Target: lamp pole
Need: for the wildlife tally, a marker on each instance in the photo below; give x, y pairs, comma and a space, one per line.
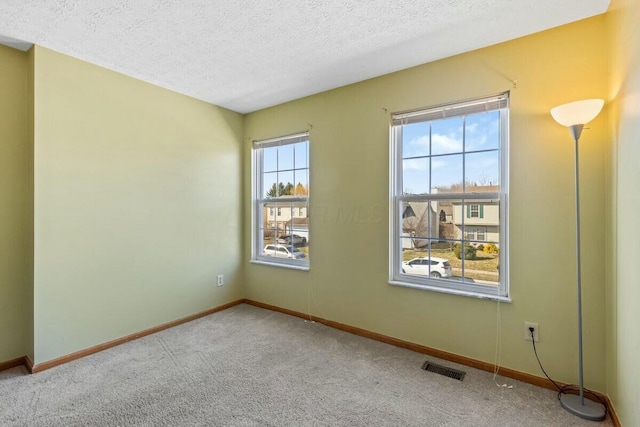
577, 405
576, 130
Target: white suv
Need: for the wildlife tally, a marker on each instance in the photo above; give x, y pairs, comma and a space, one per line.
281, 251
423, 266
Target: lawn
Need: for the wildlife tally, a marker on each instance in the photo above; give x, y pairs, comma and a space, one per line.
483, 268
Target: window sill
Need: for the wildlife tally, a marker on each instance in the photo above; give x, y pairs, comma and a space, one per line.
280, 264
450, 291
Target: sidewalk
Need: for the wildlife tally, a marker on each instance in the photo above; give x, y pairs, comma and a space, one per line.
467, 270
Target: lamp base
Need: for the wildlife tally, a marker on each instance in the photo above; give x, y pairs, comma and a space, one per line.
590, 410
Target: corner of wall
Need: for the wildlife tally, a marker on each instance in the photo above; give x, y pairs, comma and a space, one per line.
622, 339
30, 180
14, 199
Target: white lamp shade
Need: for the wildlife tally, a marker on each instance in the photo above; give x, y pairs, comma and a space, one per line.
578, 112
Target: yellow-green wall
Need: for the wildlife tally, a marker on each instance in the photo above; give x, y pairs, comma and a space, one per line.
137, 194
14, 204
139, 199
349, 135
623, 298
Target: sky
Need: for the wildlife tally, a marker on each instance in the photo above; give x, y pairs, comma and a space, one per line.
292, 160
432, 152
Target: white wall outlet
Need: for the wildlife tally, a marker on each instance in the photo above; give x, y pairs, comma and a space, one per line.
221, 281
527, 331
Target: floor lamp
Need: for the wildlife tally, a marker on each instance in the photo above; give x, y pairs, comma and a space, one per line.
575, 115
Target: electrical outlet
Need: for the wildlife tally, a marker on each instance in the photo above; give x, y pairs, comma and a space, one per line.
221, 282
527, 331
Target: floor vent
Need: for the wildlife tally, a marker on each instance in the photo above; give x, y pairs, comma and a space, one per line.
443, 370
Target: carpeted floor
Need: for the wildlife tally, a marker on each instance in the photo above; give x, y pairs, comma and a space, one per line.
246, 366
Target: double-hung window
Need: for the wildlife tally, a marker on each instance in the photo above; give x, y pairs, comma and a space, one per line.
280, 220
449, 197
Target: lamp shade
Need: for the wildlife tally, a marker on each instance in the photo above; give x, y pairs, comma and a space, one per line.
578, 112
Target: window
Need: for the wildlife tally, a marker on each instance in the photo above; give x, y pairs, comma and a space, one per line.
480, 235
470, 233
449, 198
281, 183
475, 233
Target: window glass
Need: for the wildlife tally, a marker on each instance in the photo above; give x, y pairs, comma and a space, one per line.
447, 136
446, 173
415, 142
281, 180
449, 197
482, 131
416, 174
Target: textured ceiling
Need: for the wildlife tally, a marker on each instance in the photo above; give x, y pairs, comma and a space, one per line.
250, 54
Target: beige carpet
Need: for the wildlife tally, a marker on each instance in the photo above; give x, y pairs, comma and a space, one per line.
246, 366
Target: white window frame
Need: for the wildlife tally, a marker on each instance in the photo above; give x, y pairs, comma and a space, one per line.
474, 232
258, 199
470, 233
397, 198
481, 231
474, 208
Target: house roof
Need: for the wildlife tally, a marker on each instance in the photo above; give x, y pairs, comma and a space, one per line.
300, 221
482, 188
417, 208
469, 188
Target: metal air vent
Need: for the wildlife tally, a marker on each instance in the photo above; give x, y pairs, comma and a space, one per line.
443, 370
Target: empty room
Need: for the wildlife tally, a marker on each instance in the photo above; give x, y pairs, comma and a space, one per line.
394, 213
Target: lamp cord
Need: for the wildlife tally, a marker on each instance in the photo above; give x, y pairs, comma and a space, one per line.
539, 363
568, 387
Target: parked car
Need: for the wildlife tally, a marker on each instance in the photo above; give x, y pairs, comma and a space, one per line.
294, 239
425, 266
281, 251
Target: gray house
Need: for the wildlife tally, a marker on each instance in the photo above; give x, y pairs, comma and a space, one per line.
420, 220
